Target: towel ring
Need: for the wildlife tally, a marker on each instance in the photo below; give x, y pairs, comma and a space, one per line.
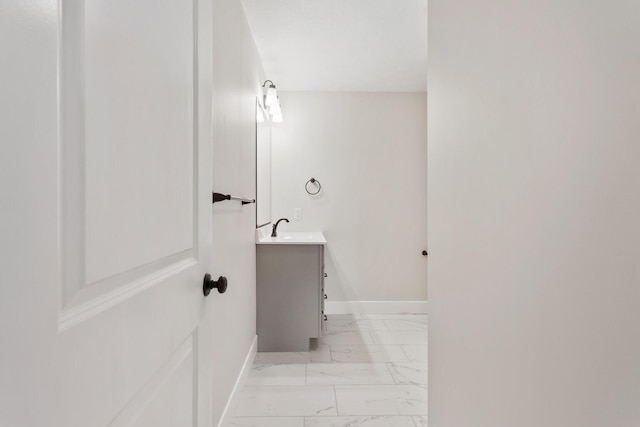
313, 181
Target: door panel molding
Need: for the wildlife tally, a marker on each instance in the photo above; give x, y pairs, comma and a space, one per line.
82, 298
176, 376
91, 301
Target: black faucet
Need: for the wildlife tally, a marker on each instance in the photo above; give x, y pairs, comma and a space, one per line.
274, 232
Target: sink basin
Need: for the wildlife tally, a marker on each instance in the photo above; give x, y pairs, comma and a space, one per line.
291, 238
299, 236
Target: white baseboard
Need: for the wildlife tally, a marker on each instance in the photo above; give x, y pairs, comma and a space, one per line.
232, 403
376, 307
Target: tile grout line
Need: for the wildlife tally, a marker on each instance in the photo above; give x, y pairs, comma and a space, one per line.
335, 398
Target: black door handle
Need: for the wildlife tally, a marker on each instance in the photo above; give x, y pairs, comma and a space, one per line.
424, 253
208, 284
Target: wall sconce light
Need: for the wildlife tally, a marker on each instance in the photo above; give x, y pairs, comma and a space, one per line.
276, 113
275, 109
271, 97
272, 101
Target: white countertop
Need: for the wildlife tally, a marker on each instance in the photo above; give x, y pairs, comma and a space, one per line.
290, 238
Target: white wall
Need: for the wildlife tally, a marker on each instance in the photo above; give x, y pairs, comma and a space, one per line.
237, 76
368, 150
534, 205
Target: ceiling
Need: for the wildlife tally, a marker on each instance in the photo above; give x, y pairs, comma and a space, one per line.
342, 45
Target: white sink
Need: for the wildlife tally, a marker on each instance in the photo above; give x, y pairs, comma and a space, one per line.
291, 238
298, 236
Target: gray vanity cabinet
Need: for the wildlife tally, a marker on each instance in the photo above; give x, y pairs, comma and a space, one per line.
290, 296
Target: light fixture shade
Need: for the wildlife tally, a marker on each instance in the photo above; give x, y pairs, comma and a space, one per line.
277, 118
275, 109
271, 98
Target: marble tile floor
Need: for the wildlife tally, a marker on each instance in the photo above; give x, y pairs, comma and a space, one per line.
367, 370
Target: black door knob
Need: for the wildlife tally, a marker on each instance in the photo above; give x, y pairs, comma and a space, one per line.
209, 284
424, 253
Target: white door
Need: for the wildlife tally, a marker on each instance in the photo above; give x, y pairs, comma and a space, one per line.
105, 228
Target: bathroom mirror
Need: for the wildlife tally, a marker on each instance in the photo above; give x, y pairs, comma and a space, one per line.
263, 166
